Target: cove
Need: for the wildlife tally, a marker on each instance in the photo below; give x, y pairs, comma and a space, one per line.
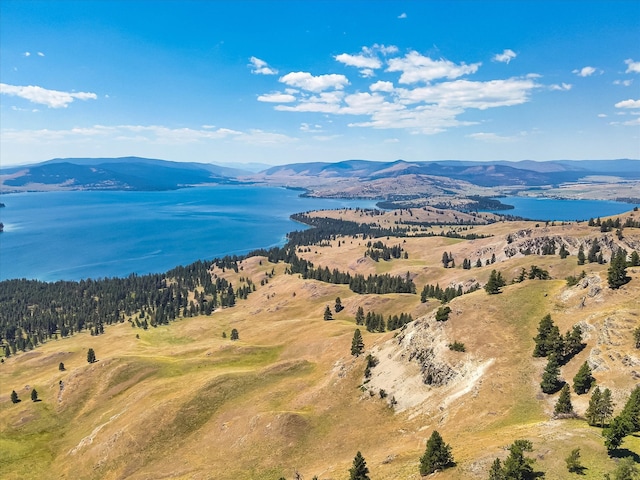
94, 234
561, 209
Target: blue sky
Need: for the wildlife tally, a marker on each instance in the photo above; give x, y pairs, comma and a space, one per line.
296, 81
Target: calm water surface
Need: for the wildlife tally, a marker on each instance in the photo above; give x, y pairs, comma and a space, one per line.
73, 235
562, 210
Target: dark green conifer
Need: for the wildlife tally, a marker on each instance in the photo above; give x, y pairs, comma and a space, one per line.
437, 455
583, 380
359, 470
563, 405
357, 344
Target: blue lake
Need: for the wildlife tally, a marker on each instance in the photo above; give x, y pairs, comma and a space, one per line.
562, 210
74, 235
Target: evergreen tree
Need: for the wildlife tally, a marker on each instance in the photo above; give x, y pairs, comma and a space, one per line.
547, 337
583, 380
496, 472
14, 397
61, 367
445, 260
234, 334
573, 461
34, 395
516, 465
359, 470
357, 344
327, 313
360, 316
635, 259
617, 273
636, 337
91, 356
550, 382
437, 455
338, 306
614, 434
563, 405
442, 315
626, 470
494, 283
581, 257
600, 407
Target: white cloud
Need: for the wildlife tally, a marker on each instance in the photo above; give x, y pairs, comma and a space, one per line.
489, 137
277, 97
381, 86
40, 54
305, 127
624, 83
391, 140
379, 48
632, 67
359, 61
260, 67
402, 15
505, 57
562, 87
43, 96
602, 115
585, 71
628, 123
628, 104
306, 81
418, 68
27, 54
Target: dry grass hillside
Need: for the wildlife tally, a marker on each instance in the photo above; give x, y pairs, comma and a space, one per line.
180, 401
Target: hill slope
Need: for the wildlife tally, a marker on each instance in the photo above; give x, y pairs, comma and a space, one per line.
181, 401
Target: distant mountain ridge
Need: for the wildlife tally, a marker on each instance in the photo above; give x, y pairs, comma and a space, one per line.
136, 173
124, 173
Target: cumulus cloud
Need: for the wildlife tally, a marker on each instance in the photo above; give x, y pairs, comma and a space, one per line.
43, 96
419, 68
562, 87
40, 54
585, 71
306, 81
602, 115
27, 54
624, 83
628, 104
402, 15
632, 67
260, 67
359, 61
277, 97
381, 86
505, 57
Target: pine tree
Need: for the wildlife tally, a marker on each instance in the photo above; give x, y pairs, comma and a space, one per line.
600, 407
496, 472
617, 273
91, 356
327, 313
61, 367
359, 470
14, 397
550, 382
583, 380
360, 316
357, 344
338, 307
581, 257
573, 461
494, 283
516, 465
636, 337
563, 405
34, 395
234, 335
437, 455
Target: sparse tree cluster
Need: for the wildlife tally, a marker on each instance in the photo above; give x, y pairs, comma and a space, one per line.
495, 283
375, 322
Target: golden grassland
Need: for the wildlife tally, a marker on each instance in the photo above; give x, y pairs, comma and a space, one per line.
181, 401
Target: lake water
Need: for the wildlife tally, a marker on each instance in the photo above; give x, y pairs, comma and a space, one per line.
562, 210
74, 235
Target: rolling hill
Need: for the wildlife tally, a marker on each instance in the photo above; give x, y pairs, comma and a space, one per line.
287, 398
